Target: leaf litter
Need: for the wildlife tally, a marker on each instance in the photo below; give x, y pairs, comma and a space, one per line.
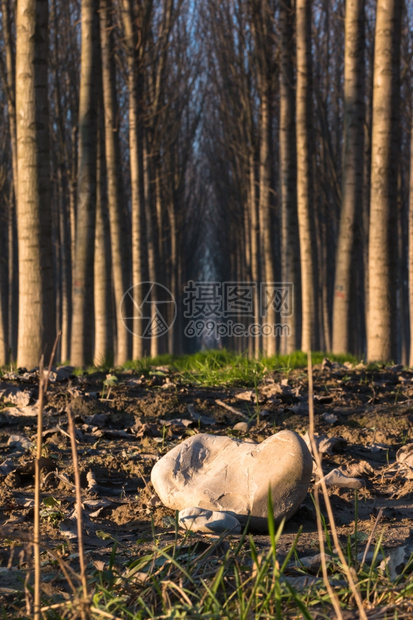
364, 421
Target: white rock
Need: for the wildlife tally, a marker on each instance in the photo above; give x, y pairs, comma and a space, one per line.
210, 521
224, 474
336, 478
243, 427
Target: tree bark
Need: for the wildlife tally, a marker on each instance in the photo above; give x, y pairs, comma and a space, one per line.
306, 225
103, 297
37, 318
352, 185
290, 251
83, 314
11, 312
411, 248
381, 345
135, 91
118, 236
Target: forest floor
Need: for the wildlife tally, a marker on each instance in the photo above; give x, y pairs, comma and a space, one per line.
126, 420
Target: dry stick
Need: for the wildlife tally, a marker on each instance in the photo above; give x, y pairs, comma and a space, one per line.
79, 519
232, 409
332, 594
36, 532
348, 571
104, 614
373, 531
43, 383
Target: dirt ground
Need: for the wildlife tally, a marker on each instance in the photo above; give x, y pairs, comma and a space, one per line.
124, 425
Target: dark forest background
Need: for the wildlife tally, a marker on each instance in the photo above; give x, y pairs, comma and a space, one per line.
169, 141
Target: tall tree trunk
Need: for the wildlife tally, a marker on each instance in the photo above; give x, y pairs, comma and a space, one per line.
381, 343
10, 88
306, 224
37, 318
411, 248
103, 350
135, 90
264, 207
118, 236
152, 255
66, 265
83, 315
4, 278
352, 185
290, 251
63, 226
255, 252
10, 85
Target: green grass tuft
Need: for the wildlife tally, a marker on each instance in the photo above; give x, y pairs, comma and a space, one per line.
221, 367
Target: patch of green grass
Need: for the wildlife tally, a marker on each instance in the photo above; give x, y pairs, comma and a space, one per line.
221, 367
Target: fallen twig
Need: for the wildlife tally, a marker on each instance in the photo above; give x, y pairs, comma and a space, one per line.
351, 577
232, 409
43, 384
85, 603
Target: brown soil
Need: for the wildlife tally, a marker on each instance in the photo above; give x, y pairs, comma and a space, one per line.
122, 433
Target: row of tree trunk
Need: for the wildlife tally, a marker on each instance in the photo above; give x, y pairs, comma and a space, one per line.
315, 107
262, 143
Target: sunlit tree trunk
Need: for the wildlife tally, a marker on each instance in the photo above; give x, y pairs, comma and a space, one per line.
151, 241
352, 185
103, 350
37, 316
83, 314
290, 256
255, 252
381, 343
135, 91
264, 207
306, 222
120, 250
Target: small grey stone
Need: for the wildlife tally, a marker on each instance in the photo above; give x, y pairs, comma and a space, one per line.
19, 442
210, 521
330, 418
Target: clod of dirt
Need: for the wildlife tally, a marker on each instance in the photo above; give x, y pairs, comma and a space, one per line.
405, 455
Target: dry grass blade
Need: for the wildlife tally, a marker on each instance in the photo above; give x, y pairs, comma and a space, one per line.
104, 614
333, 597
43, 383
348, 571
373, 531
85, 603
36, 532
